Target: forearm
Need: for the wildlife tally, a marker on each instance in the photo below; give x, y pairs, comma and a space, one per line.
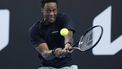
44, 51
69, 38
68, 43
47, 55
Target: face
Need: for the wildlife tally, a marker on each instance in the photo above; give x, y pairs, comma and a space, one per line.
50, 12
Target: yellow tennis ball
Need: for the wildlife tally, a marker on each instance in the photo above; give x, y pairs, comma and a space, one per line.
64, 31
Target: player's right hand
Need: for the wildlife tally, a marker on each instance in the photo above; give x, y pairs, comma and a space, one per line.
58, 52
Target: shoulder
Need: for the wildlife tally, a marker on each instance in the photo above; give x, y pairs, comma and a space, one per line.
34, 27
63, 17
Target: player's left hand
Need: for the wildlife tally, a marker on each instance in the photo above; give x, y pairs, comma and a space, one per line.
68, 48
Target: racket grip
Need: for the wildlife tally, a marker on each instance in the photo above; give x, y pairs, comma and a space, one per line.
70, 49
73, 48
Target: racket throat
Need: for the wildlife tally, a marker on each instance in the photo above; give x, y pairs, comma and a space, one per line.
76, 48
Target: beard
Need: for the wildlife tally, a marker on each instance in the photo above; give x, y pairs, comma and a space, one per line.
50, 19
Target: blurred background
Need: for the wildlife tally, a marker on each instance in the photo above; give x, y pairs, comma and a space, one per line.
19, 53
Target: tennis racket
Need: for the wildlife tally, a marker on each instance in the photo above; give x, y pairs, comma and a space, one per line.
89, 39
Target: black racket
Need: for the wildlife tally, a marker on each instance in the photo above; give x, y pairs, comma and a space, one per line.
89, 39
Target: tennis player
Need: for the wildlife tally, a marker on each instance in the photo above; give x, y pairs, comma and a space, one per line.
54, 50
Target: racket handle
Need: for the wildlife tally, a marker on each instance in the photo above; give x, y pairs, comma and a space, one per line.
73, 48
70, 49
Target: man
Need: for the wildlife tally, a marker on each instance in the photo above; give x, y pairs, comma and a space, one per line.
54, 50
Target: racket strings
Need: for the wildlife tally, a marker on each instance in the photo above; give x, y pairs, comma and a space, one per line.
91, 38
86, 41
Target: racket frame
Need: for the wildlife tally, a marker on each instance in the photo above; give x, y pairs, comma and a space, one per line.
76, 45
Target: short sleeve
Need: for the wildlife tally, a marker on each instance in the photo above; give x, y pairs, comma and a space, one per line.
35, 37
68, 23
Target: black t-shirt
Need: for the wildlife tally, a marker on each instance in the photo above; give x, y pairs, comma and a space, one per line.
50, 34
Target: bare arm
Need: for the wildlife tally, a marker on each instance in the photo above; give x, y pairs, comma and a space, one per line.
69, 38
68, 42
46, 53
